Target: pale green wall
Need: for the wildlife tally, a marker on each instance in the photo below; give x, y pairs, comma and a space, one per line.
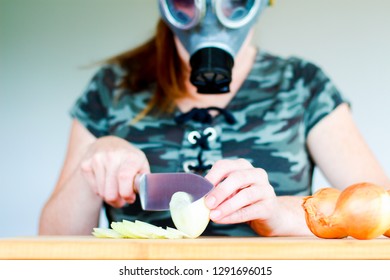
44, 44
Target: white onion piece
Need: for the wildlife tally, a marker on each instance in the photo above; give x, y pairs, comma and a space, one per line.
138, 230
189, 217
106, 233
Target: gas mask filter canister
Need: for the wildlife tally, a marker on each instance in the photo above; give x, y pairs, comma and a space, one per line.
212, 31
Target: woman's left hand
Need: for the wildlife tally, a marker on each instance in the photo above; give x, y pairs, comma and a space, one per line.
242, 193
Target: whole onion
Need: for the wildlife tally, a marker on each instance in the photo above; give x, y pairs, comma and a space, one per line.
361, 210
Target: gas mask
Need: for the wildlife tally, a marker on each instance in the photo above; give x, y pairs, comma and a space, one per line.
212, 31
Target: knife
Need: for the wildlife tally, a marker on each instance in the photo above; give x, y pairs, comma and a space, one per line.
155, 190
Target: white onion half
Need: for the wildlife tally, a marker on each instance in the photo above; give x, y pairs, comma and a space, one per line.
189, 217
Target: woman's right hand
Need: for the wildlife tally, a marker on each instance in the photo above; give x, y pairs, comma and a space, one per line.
110, 166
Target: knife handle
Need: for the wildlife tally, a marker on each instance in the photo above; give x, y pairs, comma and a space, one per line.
137, 182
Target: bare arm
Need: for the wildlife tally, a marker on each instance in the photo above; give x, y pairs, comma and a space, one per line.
243, 193
73, 207
341, 153
95, 170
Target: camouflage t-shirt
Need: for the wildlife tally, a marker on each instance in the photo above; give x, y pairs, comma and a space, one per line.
267, 123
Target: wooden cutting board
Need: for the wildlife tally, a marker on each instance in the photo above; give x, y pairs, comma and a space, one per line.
88, 247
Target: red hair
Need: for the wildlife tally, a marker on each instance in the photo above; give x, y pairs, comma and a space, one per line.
155, 65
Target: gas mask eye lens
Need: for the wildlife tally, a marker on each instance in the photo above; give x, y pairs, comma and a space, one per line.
236, 13
236, 9
183, 14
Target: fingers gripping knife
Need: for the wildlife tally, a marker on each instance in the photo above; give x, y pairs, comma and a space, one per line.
156, 189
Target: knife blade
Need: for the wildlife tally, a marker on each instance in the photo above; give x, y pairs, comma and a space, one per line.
155, 190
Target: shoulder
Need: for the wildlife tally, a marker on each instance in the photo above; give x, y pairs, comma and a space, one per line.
109, 76
275, 69
100, 92
107, 84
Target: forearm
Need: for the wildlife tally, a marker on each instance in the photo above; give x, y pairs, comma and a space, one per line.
73, 210
288, 220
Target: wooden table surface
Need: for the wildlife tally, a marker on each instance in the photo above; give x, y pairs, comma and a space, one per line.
204, 248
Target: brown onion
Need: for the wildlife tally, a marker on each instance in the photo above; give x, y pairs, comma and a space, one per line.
362, 211
318, 208
387, 233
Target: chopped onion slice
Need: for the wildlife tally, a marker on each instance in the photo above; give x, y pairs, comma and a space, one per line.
138, 230
106, 233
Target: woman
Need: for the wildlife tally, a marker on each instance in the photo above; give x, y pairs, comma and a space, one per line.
257, 141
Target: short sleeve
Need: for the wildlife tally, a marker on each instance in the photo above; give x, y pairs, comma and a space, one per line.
324, 97
92, 108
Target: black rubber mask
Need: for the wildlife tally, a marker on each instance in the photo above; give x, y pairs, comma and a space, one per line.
211, 70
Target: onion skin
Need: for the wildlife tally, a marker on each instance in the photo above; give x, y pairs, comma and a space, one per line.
318, 208
387, 233
365, 210
361, 211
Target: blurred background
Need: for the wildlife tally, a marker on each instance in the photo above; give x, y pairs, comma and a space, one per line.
48, 51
